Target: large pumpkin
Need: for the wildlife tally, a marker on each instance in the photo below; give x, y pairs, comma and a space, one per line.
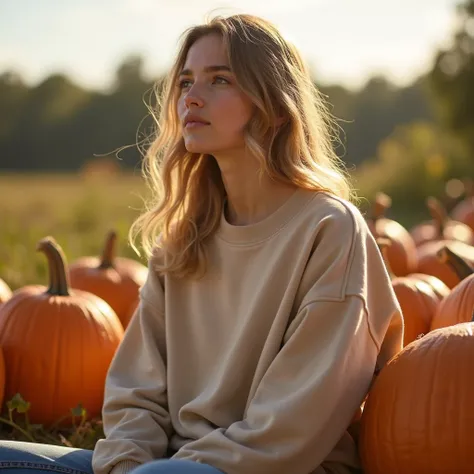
401, 254
5, 292
58, 344
117, 280
418, 295
441, 227
428, 262
418, 416
458, 307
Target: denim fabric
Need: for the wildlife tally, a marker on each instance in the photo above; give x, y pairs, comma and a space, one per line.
175, 466
18, 457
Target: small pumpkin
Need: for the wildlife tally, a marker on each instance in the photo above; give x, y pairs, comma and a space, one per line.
441, 227
5, 292
428, 262
439, 288
57, 344
401, 254
117, 280
418, 295
458, 307
418, 417
464, 210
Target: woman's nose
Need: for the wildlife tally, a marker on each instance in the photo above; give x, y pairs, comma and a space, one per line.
193, 97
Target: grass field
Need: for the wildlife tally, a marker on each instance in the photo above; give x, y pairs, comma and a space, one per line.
76, 210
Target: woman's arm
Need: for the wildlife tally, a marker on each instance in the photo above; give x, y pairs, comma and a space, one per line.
135, 412
307, 398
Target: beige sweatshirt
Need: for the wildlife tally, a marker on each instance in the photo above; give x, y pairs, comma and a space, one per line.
259, 367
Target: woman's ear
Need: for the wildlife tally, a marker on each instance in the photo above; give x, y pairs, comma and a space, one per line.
281, 120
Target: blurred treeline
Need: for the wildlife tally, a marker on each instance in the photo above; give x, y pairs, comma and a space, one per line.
57, 125
407, 141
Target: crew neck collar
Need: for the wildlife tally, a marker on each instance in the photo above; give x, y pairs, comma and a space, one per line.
259, 231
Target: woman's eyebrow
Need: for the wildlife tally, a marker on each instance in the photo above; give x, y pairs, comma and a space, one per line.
188, 72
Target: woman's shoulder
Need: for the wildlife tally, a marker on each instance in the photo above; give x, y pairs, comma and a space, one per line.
344, 254
332, 214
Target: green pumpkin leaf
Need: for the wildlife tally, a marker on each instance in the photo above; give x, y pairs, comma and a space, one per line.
18, 403
79, 410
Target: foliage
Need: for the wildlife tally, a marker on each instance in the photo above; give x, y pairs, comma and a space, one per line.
57, 126
373, 113
414, 162
452, 77
15, 425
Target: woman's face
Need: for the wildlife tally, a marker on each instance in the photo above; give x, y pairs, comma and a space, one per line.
211, 107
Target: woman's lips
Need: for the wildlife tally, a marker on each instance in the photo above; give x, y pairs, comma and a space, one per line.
196, 124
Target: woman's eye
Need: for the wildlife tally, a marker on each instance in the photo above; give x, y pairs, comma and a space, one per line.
221, 80
184, 83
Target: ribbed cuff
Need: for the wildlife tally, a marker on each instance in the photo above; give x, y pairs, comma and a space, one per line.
124, 467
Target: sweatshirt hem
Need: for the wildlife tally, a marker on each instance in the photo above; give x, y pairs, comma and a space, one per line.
123, 467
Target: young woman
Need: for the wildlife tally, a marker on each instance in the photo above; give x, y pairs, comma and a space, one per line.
268, 307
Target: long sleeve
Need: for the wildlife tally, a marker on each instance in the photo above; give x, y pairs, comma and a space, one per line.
305, 400
135, 413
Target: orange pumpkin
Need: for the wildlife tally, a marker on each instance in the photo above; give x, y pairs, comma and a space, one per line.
132, 310
418, 417
439, 288
429, 263
418, 295
58, 344
464, 211
401, 254
441, 227
5, 292
458, 307
116, 280
418, 302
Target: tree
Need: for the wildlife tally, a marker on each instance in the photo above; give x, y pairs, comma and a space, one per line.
452, 79
13, 94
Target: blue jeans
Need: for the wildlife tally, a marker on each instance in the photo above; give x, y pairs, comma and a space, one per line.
18, 457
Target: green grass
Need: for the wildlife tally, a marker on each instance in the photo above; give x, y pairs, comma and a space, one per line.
75, 210
78, 211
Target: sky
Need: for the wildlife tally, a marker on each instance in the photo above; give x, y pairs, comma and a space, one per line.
344, 41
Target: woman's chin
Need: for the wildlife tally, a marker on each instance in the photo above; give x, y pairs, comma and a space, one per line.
195, 147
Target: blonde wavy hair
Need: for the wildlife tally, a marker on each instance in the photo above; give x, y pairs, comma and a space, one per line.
188, 191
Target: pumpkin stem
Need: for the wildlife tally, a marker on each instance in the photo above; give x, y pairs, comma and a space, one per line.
438, 213
108, 254
383, 244
58, 277
381, 204
455, 261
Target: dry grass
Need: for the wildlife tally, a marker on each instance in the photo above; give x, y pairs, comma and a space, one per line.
77, 210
